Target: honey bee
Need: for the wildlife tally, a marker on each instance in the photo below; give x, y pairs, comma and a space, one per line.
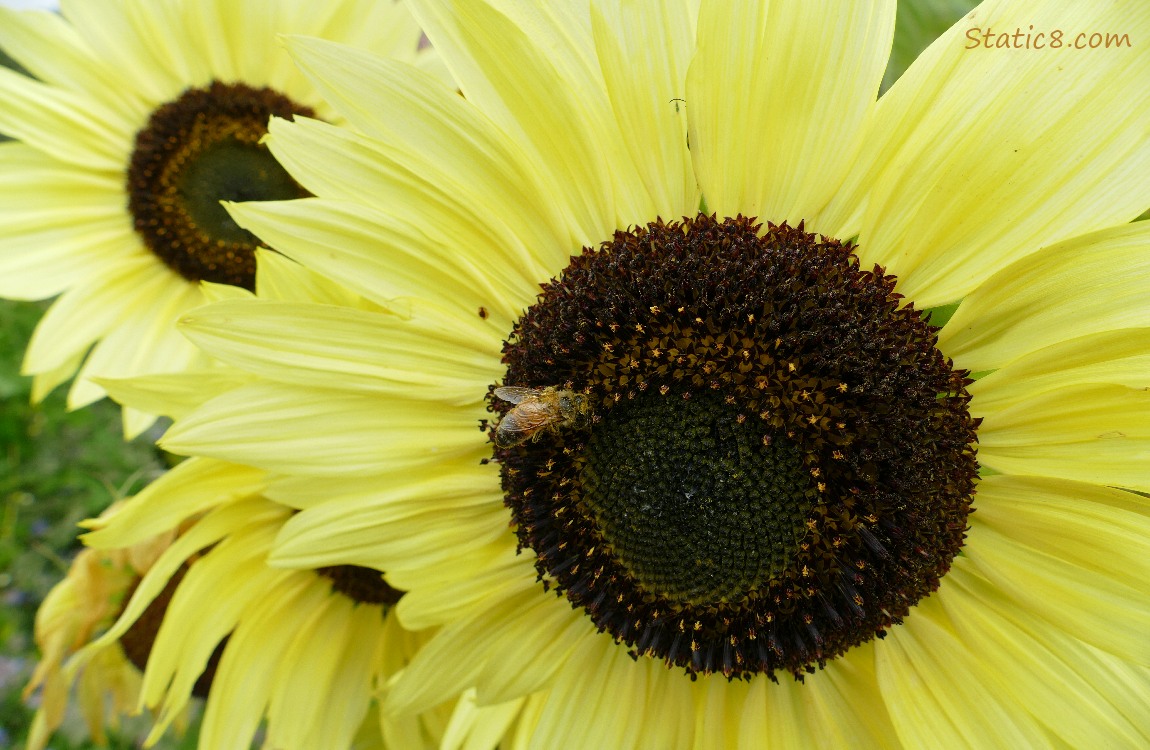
538, 409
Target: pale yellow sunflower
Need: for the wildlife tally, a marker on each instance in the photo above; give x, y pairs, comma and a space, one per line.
75, 611
141, 116
306, 654
739, 462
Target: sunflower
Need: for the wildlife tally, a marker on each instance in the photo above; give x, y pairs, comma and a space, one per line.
736, 349
211, 619
80, 606
141, 116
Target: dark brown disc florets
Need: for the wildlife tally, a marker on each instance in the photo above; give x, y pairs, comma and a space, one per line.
780, 461
197, 150
361, 585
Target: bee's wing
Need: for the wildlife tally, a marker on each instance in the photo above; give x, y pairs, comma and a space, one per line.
514, 393
527, 417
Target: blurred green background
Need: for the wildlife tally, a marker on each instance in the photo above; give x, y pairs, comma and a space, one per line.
56, 468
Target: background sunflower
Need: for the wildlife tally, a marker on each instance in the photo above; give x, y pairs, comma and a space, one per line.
166, 142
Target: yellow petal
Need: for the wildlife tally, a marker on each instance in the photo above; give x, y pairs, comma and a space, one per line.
1073, 553
320, 660
280, 278
1092, 433
422, 135
173, 395
284, 428
207, 532
555, 631
1086, 285
302, 492
85, 313
980, 156
602, 679
379, 255
138, 37
406, 730
777, 97
364, 352
774, 714
71, 127
54, 52
476, 728
190, 488
1119, 357
646, 83
929, 681
46, 381
146, 342
247, 675
216, 594
440, 593
352, 688
60, 225
1021, 669
787, 709
441, 671
214, 292
847, 687
531, 68
387, 538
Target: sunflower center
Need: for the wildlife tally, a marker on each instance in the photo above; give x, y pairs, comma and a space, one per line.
696, 505
773, 462
196, 151
362, 585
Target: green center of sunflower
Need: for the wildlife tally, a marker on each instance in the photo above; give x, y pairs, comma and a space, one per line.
772, 462
695, 504
196, 151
